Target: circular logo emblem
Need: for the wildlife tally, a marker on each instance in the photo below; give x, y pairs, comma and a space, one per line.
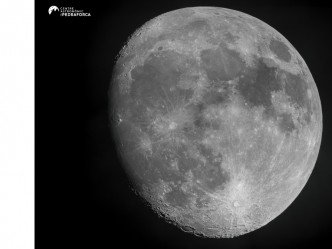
52, 8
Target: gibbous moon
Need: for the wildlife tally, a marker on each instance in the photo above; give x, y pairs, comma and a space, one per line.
217, 119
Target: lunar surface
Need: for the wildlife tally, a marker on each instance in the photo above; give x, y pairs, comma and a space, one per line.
217, 119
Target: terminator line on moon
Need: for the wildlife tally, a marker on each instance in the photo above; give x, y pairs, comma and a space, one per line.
217, 119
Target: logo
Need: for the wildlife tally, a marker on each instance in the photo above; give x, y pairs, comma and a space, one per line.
68, 11
52, 8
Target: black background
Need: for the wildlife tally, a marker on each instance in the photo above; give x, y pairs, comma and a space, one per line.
83, 199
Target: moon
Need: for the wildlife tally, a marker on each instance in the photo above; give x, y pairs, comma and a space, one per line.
216, 118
